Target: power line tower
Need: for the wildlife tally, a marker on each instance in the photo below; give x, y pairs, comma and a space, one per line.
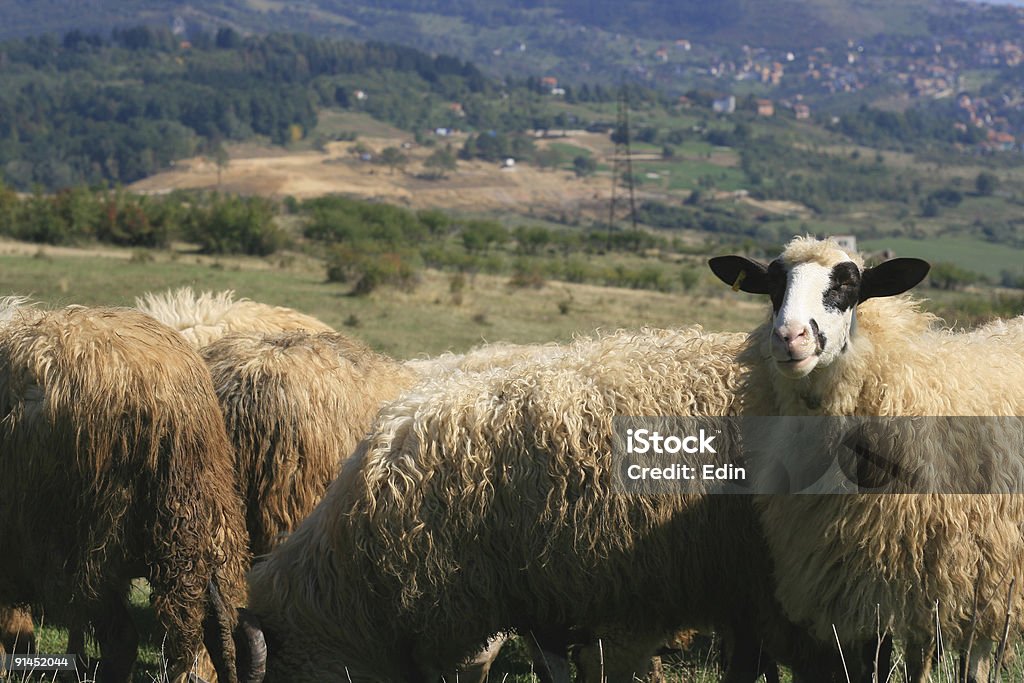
622, 170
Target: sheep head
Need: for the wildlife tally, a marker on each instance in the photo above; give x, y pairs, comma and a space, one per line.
815, 288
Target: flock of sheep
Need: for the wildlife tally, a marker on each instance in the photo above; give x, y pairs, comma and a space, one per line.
306, 509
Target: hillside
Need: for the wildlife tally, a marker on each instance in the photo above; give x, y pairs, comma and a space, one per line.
542, 26
293, 117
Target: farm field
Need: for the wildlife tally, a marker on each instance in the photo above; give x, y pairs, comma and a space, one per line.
975, 255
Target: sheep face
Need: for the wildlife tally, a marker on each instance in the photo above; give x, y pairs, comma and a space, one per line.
814, 289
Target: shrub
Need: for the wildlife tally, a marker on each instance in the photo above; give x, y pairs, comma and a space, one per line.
369, 269
235, 225
526, 274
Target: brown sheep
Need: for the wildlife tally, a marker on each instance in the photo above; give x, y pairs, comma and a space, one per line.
114, 464
295, 405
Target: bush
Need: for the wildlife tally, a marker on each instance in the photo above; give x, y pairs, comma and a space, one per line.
532, 239
368, 269
689, 277
338, 219
235, 225
479, 235
986, 183
584, 166
526, 274
949, 276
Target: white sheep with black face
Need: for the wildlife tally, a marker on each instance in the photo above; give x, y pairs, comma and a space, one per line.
814, 290
840, 343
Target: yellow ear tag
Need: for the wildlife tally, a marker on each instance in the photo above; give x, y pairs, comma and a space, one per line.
739, 280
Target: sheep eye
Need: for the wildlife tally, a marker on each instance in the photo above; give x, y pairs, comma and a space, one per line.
844, 287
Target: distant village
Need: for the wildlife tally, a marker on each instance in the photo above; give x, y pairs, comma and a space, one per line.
907, 70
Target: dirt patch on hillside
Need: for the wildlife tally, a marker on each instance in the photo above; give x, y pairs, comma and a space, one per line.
474, 185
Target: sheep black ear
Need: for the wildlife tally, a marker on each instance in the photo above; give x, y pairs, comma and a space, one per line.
892, 277
739, 272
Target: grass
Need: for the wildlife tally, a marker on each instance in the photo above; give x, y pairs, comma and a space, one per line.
975, 255
403, 324
570, 152
688, 174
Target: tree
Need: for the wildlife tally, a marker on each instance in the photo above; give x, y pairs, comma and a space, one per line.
584, 166
393, 158
221, 158
532, 239
949, 276
435, 220
986, 183
359, 149
440, 161
479, 235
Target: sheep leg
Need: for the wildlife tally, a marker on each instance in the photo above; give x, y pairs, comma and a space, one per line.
218, 626
117, 638
978, 662
744, 660
76, 646
17, 635
872, 660
549, 666
919, 656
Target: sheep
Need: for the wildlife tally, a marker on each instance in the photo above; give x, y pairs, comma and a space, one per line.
295, 405
17, 635
114, 463
840, 342
484, 502
207, 317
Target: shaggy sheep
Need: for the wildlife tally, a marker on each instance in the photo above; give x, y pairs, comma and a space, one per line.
113, 464
207, 317
17, 635
917, 562
295, 404
485, 502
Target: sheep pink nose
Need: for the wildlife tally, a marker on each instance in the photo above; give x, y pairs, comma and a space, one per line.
793, 336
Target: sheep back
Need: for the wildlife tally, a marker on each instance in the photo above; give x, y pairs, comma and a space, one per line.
295, 405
